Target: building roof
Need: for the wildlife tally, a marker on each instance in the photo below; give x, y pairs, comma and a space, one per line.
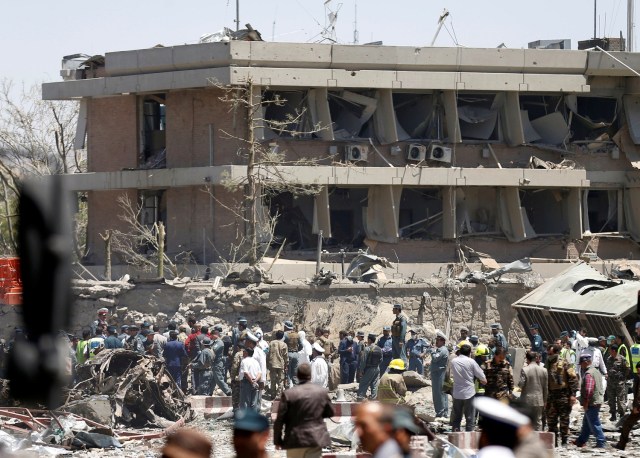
582, 289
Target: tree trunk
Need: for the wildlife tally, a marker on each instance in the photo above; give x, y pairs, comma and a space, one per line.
107, 255
160, 249
251, 188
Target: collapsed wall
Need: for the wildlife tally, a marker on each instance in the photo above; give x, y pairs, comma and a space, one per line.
367, 307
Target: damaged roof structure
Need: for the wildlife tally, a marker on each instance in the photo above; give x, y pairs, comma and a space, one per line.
410, 151
581, 296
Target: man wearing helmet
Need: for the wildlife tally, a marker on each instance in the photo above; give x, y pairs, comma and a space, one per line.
392, 388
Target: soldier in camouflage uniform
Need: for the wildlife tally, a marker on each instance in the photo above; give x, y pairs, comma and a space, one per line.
563, 384
616, 382
499, 375
235, 370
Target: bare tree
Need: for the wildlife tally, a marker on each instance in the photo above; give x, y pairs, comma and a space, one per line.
36, 138
263, 177
141, 245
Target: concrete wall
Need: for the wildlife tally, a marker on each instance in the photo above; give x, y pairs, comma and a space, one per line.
349, 307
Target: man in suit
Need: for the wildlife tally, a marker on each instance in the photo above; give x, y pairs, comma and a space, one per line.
534, 382
301, 415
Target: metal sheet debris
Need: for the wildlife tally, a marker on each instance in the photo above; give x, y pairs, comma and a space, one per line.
367, 267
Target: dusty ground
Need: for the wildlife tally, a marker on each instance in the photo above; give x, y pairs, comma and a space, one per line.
220, 433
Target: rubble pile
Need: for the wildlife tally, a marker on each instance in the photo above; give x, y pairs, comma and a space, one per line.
139, 390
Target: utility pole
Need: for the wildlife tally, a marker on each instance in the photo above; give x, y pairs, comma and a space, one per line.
630, 25
355, 27
595, 12
237, 15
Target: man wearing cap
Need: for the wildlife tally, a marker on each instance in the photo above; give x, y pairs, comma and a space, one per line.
563, 384
622, 348
250, 434
236, 332
416, 349
616, 389
217, 347
347, 353
319, 367
399, 333
112, 342
499, 426
464, 371
277, 360
234, 368
369, 368
203, 369
438, 370
474, 341
249, 377
536, 339
404, 428
386, 344
501, 341
174, 352
591, 398
103, 314
252, 342
299, 427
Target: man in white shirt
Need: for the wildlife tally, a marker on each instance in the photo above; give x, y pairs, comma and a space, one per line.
464, 371
258, 355
580, 343
249, 377
319, 368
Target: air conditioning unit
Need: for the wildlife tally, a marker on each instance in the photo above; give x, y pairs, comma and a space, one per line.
356, 153
439, 153
416, 152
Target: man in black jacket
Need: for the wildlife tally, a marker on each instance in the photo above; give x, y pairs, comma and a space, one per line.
301, 414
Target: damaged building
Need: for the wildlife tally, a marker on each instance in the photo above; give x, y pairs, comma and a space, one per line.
407, 151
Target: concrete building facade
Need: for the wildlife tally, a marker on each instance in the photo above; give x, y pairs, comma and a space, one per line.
419, 154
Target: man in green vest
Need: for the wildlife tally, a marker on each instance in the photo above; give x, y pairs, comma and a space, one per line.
591, 399
635, 350
622, 348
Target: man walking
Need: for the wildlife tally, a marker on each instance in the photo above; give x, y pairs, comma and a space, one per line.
399, 333
299, 427
534, 383
563, 384
591, 398
294, 346
217, 347
438, 369
464, 371
369, 368
634, 416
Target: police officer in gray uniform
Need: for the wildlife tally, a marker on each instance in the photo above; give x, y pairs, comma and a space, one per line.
370, 368
219, 362
386, 344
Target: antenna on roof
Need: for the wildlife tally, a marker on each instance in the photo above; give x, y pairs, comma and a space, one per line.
443, 16
356, 34
329, 31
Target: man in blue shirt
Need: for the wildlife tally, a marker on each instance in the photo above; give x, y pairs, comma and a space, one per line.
112, 342
416, 349
386, 344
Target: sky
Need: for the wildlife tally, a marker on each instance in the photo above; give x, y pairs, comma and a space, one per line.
34, 36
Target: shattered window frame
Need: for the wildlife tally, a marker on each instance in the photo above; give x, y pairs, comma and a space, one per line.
153, 130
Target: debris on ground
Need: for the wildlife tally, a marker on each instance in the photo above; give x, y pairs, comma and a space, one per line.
324, 277
367, 268
138, 389
516, 267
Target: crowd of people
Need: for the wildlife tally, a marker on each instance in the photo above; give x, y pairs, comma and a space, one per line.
297, 369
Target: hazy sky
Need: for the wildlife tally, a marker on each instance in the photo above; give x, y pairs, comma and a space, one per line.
35, 35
